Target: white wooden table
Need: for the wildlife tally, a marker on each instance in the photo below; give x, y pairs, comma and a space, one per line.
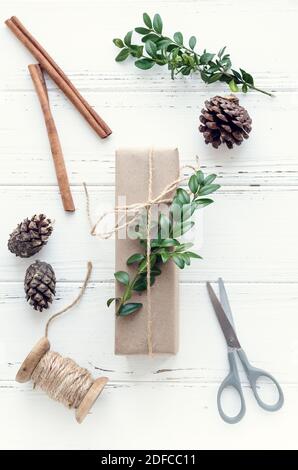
250, 233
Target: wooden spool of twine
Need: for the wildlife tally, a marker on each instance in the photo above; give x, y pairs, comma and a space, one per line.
61, 378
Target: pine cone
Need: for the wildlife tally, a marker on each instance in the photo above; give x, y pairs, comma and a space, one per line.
224, 122
30, 236
40, 282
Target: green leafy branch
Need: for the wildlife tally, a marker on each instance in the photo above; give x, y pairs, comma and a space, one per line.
158, 49
183, 206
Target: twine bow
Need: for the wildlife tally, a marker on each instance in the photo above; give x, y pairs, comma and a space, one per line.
135, 210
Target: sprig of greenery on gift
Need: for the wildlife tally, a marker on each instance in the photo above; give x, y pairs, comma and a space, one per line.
180, 58
163, 250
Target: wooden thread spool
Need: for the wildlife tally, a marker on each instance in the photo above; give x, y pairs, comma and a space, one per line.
73, 376
30, 363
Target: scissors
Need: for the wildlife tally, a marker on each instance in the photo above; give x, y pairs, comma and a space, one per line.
224, 315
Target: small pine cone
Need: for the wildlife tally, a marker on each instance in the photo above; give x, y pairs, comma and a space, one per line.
40, 282
30, 236
224, 121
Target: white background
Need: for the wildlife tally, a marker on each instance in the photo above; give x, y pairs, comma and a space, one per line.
250, 233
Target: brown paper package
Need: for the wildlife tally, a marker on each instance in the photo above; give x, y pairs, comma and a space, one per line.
131, 335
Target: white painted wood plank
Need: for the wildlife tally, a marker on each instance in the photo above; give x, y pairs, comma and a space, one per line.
250, 234
268, 157
244, 236
265, 316
143, 416
88, 31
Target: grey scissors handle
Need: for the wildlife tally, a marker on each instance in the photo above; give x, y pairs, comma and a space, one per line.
232, 380
253, 374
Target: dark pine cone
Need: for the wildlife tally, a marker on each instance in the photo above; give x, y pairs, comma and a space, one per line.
30, 236
40, 282
224, 121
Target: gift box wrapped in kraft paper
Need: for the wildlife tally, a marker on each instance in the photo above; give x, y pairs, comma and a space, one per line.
132, 182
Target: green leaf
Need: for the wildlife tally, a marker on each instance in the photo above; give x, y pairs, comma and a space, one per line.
183, 196
200, 176
163, 44
183, 247
178, 38
193, 184
164, 226
176, 208
140, 284
206, 57
209, 179
143, 264
247, 77
237, 75
122, 276
186, 258
221, 52
136, 51
191, 254
179, 261
136, 258
208, 189
122, 55
165, 256
215, 77
169, 242
142, 30
118, 42
129, 308
192, 42
144, 64
233, 86
180, 229
157, 23
204, 202
151, 48
244, 88
147, 20
127, 38
109, 301
187, 211
152, 36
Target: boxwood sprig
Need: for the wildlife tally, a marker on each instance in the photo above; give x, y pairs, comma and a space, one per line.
165, 245
158, 49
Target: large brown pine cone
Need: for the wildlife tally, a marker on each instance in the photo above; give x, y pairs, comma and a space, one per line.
30, 236
40, 282
224, 121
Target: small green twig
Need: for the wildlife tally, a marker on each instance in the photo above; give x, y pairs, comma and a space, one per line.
165, 246
180, 59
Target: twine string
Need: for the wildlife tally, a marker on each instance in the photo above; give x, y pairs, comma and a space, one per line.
62, 379
74, 302
135, 211
148, 253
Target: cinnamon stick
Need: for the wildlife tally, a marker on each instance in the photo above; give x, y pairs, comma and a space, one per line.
42, 93
58, 76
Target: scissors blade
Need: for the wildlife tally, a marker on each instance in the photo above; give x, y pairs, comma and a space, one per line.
227, 329
224, 300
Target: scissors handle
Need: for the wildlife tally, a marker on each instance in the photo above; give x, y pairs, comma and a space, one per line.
232, 380
253, 374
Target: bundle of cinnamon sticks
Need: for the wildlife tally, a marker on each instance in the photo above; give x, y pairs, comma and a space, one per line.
46, 63
59, 77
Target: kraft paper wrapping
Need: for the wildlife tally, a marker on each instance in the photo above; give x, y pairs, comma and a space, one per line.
131, 336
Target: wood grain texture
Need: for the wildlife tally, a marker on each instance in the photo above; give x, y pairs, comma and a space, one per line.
249, 236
